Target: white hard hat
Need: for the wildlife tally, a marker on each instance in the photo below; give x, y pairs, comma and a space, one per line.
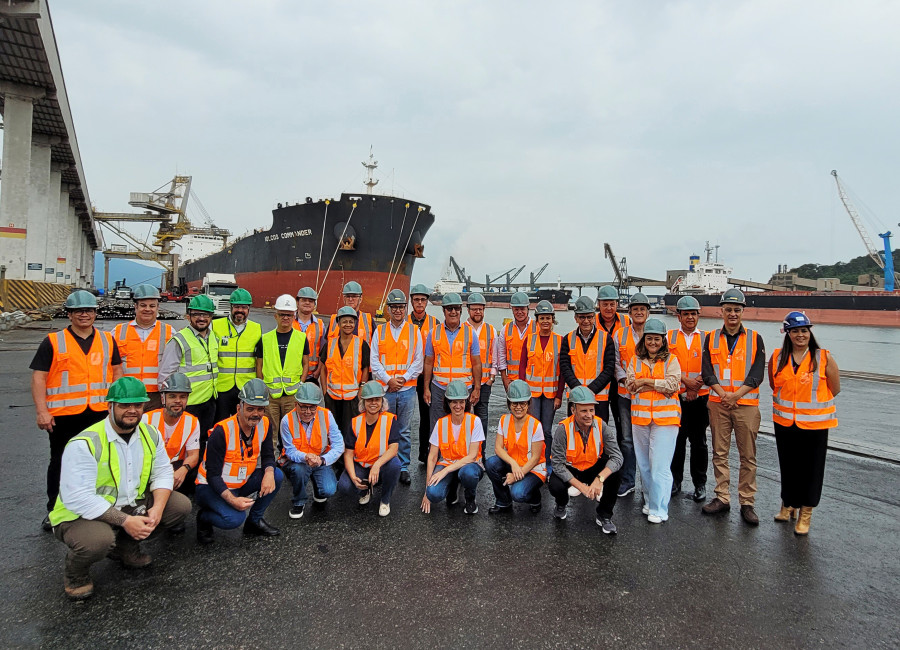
285, 302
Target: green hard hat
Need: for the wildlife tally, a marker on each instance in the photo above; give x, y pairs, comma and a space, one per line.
456, 389
655, 326
419, 290
733, 296
240, 297
81, 299
371, 390
475, 299
254, 393
687, 303
202, 303
396, 297
144, 291
346, 311
177, 382
127, 390
308, 393
520, 299
638, 299
518, 391
581, 395
543, 307
307, 292
584, 305
352, 289
451, 300
608, 292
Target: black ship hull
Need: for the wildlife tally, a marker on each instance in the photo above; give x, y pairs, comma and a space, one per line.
559, 298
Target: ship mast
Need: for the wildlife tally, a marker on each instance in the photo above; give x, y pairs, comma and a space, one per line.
370, 166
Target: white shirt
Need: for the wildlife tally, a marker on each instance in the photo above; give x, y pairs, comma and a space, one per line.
620, 370
494, 348
689, 337
143, 332
78, 478
500, 342
415, 368
538, 435
455, 429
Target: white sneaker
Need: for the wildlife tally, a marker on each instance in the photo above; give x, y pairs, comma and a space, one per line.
364, 499
574, 491
645, 510
653, 519
384, 509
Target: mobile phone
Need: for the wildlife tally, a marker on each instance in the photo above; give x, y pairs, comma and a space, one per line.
253, 496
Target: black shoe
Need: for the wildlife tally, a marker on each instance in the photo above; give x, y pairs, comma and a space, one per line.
45, 525
262, 528
177, 529
496, 510
204, 532
404, 477
676, 488
699, 494
471, 507
536, 508
296, 512
453, 494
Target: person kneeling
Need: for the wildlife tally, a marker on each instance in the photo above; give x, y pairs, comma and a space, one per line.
229, 483
115, 490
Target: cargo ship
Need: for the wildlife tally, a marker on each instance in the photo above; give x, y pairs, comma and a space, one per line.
559, 298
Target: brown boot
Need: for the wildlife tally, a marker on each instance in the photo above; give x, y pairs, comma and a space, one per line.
715, 506
130, 556
786, 514
802, 527
78, 589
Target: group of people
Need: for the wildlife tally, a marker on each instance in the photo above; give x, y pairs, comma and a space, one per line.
144, 417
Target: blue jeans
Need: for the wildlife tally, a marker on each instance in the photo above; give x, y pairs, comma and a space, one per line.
402, 404
654, 446
324, 481
543, 409
390, 474
528, 490
436, 408
469, 476
626, 444
214, 510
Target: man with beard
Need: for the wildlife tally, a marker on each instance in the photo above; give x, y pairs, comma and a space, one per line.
180, 430
418, 297
236, 337
314, 329
512, 338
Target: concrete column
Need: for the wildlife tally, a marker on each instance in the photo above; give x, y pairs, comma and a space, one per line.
63, 229
17, 120
38, 222
73, 242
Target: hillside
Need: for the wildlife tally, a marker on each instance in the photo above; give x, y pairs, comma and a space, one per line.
848, 272
133, 272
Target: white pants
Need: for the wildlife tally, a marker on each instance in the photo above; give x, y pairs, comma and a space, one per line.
654, 446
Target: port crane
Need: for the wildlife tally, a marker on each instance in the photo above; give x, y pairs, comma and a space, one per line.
510, 275
620, 271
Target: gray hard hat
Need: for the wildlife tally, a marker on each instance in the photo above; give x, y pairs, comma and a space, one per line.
456, 389
371, 390
451, 300
307, 292
543, 307
608, 292
584, 305
177, 382
638, 299
520, 299
475, 299
655, 326
396, 297
687, 303
81, 299
352, 289
419, 290
308, 393
346, 311
734, 297
144, 291
582, 395
518, 391
254, 393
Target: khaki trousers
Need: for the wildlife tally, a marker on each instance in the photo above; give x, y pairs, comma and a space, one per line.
744, 422
279, 407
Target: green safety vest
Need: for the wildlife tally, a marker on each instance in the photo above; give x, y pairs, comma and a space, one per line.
109, 473
237, 358
283, 381
198, 362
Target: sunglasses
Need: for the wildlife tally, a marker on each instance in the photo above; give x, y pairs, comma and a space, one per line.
455, 308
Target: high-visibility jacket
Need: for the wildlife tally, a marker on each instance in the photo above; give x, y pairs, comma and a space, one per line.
140, 359
237, 353
283, 380
486, 350
366, 453
240, 460
689, 358
651, 406
453, 450
520, 447
427, 325
175, 445
452, 362
199, 363
587, 365
514, 340
397, 356
542, 371
622, 320
110, 474
314, 337
732, 368
626, 344
803, 397
76, 380
579, 455
365, 325
319, 442
344, 370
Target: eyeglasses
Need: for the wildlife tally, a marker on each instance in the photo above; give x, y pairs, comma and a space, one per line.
82, 311
396, 306
307, 407
453, 308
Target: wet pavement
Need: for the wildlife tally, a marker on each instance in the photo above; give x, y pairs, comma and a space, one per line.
342, 576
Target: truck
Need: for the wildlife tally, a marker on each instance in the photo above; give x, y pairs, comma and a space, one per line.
219, 286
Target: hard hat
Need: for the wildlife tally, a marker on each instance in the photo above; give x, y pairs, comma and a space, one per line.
81, 299
733, 297
638, 299
396, 297
308, 393
584, 305
307, 292
543, 307
144, 291
240, 297
371, 390
456, 389
201, 303
177, 382
127, 390
254, 393
346, 311
582, 395
519, 299
608, 292
655, 326
451, 300
795, 319
285, 302
352, 289
419, 290
518, 391
687, 303
475, 299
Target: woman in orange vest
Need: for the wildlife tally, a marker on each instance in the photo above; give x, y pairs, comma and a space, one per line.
345, 367
653, 378
539, 366
804, 380
370, 450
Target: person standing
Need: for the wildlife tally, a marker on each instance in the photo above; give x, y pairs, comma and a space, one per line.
365, 324
587, 357
610, 321
512, 338
539, 366
418, 297
805, 380
71, 372
141, 342
734, 360
487, 348
397, 360
686, 343
345, 368
237, 338
314, 329
180, 431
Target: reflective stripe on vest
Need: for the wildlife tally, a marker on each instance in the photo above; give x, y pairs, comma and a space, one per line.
579, 455
622, 320
452, 362
283, 380
77, 380
428, 324
587, 365
733, 368
520, 448
486, 350
453, 450
803, 397
514, 341
175, 445
542, 372
236, 355
319, 442
344, 370
650, 406
364, 327
689, 358
240, 461
626, 345
366, 453
313, 334
141, 359
198, 362
397, 356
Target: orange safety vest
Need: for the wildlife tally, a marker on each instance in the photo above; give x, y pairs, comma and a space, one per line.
76, 380
453, 450
175, 445
514, 341
240, 461
427, 325
397, 356
319, 442
344, 370
588, 365
140, 359
651, 406
364, 326
622, 320
803, 397
579, 455
626, 344
367, 453
520, 448
689, 358
486, 350
732, 368
313, 337
452, 362
542, 371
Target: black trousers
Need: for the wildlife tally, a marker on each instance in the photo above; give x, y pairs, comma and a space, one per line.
694, 421
613, 406
560, 490
801, 458
66, 428
343, 410
424, 421
226, 403
206, 413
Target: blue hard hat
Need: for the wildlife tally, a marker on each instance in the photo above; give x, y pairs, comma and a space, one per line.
795, 319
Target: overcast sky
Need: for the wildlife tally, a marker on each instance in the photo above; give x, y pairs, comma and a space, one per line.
535, 130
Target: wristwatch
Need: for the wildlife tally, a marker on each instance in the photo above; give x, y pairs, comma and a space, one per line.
186, 466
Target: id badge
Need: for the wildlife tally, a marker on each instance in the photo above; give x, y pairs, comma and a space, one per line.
208, 367
242, 474
223, 340
726, 374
